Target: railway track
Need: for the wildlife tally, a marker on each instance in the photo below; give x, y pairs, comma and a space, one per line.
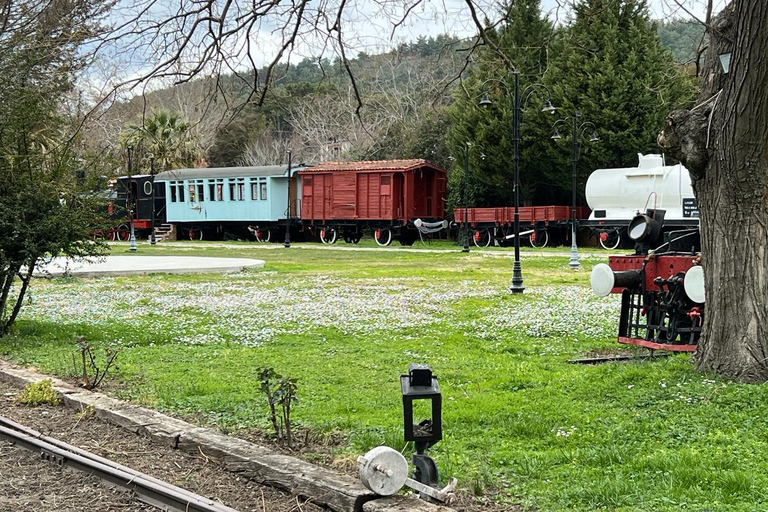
147, 489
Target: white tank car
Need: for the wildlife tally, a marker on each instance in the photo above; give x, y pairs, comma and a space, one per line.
617, 195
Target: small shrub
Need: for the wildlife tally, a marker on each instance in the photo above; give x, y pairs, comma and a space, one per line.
38, 393
280, 391
88, 359
86, 411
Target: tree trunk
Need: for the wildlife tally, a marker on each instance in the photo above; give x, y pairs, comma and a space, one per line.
723, 142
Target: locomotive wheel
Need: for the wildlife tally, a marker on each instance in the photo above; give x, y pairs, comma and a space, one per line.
383, 237
609, 239
195, 234
540, 238
263, 235
328, 236
122, 233
482, 238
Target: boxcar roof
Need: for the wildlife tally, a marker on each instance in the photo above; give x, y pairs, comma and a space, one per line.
371, 166
226, 172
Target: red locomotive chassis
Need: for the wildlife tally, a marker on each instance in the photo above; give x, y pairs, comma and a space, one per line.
396, 191
664, 266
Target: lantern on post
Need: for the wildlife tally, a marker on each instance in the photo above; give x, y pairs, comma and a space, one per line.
421, 385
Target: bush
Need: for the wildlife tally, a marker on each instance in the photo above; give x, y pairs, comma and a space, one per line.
38, 393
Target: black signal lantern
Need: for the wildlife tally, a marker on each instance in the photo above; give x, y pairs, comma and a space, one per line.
421, 385
645, 229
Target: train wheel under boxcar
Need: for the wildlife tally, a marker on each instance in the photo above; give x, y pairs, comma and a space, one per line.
383, 237
195, 234
328, 235
263, 235
540, 238
482, 238
609, 239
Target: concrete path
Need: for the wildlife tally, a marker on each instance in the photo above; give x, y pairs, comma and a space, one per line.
133, 265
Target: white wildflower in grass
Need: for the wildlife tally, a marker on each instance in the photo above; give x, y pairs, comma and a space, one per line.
553, 312
252, 309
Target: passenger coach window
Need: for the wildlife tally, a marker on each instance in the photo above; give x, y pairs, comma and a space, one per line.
263, 191
219, 190
199, 184
177, 191
254, 189
237, 189
192, 196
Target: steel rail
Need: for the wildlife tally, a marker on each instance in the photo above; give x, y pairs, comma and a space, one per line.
152, 491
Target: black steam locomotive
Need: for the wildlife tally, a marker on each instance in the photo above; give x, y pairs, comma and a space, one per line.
662, 289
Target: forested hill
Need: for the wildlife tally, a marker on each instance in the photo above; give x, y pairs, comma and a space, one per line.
682, 37
311, 106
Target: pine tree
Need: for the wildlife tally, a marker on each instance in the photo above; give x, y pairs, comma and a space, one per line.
522, 42
609, 64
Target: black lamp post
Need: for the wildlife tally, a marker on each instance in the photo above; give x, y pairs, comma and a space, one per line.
517, 273
153, 240
287, 242
129, 203
577, 130
466, 201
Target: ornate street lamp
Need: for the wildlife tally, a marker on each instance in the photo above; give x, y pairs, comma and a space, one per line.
128, 203
466, 201
153, 240
578, 131
287, 242
517, 273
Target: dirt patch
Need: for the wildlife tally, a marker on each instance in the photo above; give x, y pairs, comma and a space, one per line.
27, 484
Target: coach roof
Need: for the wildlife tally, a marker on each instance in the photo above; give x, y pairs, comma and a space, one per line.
226, 172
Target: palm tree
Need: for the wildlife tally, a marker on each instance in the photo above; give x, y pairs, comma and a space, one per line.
165, 136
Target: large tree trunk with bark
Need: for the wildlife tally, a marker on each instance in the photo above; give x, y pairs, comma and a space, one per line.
723, 142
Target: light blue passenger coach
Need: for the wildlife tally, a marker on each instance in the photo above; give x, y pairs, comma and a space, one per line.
239, 202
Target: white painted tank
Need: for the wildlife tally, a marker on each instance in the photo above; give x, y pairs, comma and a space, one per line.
620, 194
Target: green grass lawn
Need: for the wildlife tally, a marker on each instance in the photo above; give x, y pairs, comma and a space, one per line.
520, 423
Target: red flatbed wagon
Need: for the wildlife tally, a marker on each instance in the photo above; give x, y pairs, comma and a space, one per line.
539, 223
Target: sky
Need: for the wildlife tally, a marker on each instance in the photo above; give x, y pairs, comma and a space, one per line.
368, 27
451, 16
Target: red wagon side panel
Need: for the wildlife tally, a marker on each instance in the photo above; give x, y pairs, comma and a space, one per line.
390, 190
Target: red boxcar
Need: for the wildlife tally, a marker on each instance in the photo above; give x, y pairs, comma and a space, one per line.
394, 198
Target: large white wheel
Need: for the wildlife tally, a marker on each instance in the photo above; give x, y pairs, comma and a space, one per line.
482, 238
383, 237
328, 235
540, 238
263, 235
609, 239
122, 233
